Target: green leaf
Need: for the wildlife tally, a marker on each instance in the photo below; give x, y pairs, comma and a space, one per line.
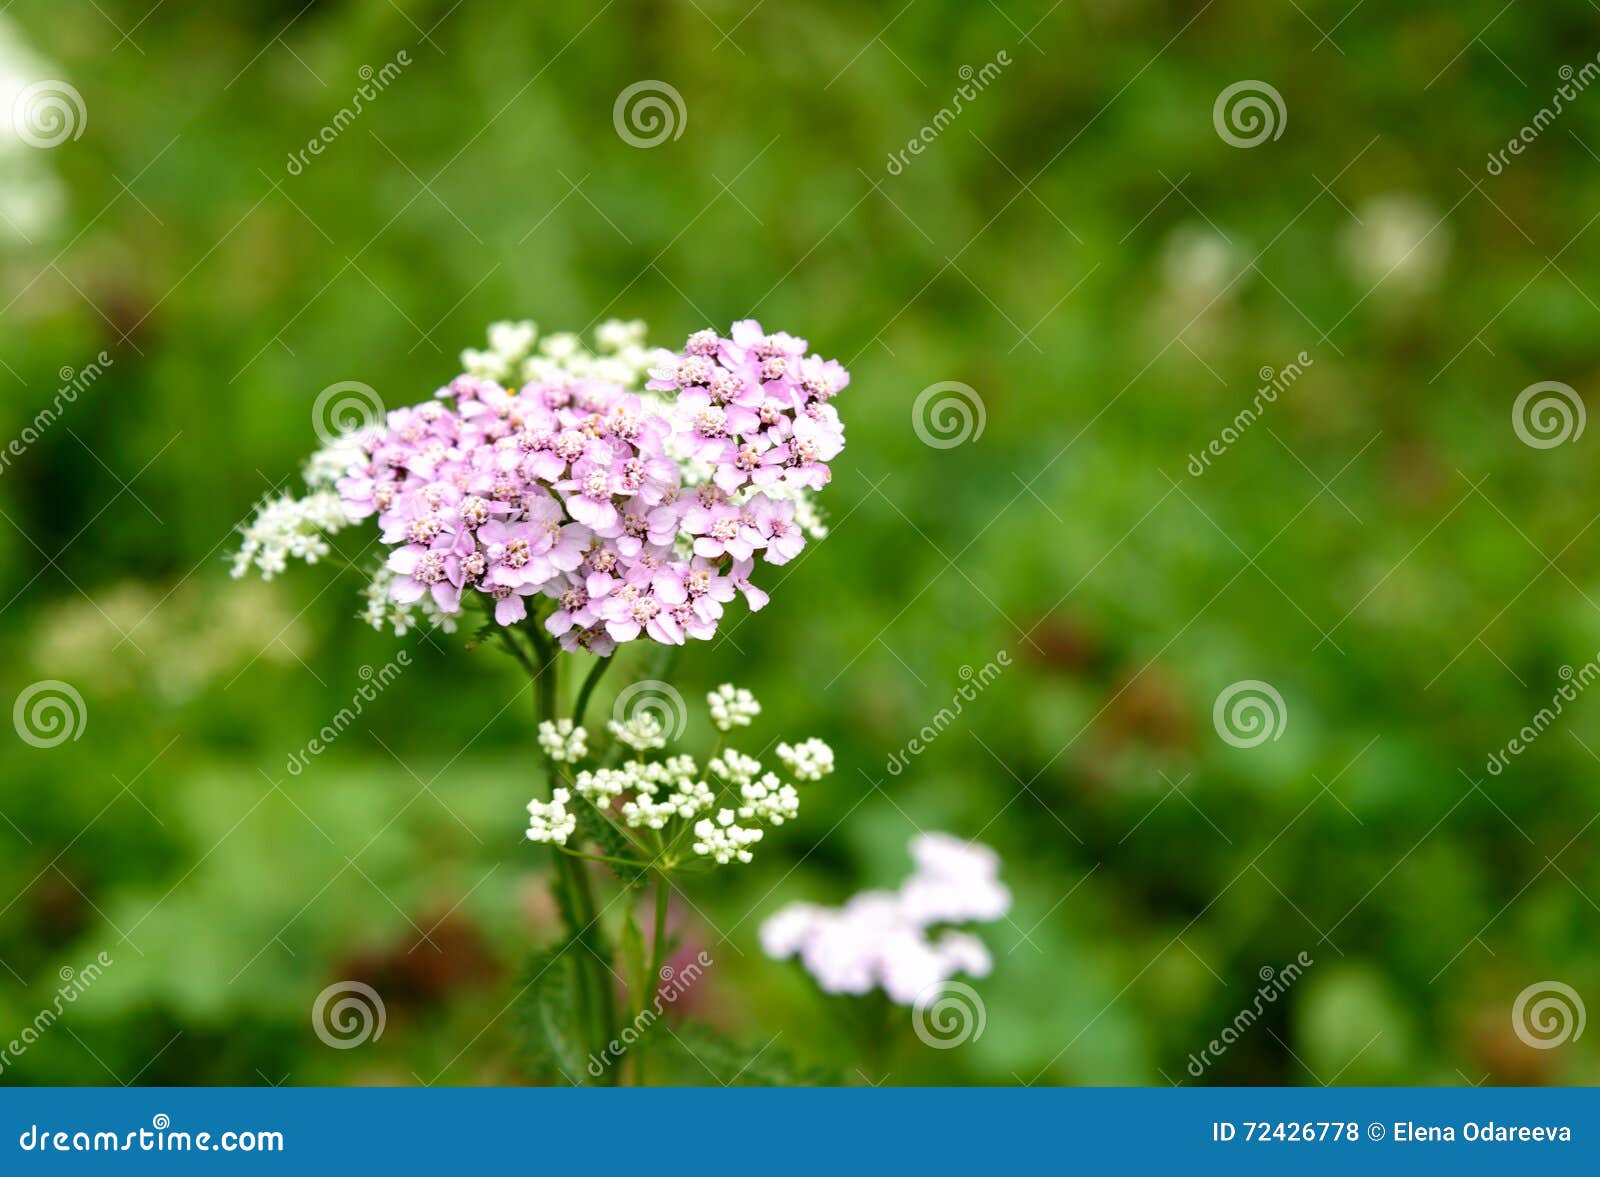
696, 1054
549, 1017
634, 964
595, 826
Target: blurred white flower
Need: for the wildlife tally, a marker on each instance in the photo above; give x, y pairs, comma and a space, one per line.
955, 882
880, 939
1398, 246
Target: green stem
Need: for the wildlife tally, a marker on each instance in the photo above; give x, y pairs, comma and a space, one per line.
574, 894
652, 979
589, 683
608, 860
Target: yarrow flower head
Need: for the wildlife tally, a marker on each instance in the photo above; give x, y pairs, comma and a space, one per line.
887, 939
546, 474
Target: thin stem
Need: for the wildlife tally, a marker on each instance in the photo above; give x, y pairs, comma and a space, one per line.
574, 893
522, 659
652, 979
589, 683
609, 861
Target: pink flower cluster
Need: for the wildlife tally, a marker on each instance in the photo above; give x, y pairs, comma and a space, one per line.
638, 514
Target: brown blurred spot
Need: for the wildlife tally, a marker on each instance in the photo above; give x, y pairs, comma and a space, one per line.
1148, 710
423, 968
1064, 645
1510, 1061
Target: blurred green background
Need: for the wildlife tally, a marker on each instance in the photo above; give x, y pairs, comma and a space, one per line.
1080, 247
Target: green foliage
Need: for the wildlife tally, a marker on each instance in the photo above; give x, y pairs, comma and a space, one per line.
550, 1018
698, 1054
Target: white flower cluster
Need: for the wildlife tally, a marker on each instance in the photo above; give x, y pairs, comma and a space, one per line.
723, 839
383, 610
732, 707
551, 821
619, 355
811, 760
286, 526
563, 742
729, 805
882, 939
641, 731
